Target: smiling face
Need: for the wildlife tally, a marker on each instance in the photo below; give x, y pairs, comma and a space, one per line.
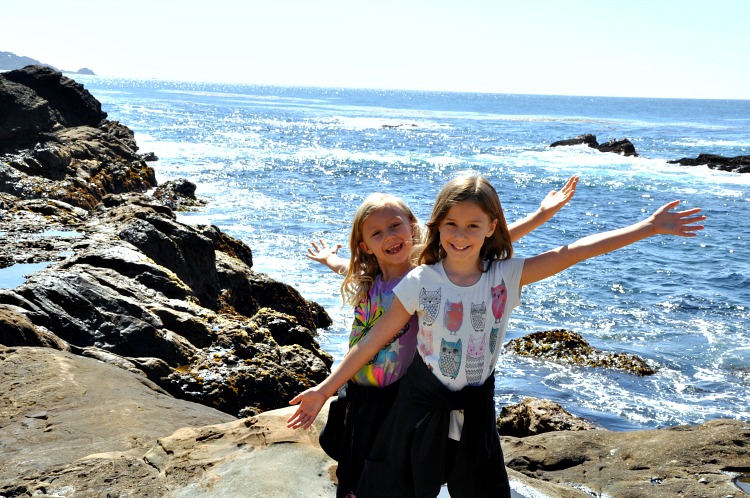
463, 231
387, 235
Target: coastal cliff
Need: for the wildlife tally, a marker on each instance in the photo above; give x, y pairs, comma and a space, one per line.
145, 357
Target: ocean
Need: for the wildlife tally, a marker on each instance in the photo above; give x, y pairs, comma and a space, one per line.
283, 166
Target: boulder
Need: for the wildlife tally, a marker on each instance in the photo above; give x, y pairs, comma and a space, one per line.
586, 139
737, 164
537, 416
623, 146
199, 322
71, 104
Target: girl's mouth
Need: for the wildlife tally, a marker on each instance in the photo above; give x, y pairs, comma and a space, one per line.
395, 249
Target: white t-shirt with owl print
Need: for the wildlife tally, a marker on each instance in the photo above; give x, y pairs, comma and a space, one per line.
461, 329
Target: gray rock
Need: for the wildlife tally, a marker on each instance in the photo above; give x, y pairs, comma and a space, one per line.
695, 461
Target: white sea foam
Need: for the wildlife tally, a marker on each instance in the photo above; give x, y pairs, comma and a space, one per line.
705, 144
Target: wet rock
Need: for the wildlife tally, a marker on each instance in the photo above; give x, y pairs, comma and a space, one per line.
737, 164
145, 286
570, 347
623, 146
178, 195
537, 416
586, 139
132, 286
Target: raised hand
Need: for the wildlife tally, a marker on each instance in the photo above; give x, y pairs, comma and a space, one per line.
556, 199
328, 256
680, 223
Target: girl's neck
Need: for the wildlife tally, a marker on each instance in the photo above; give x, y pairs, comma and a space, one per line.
389, 272
462, 273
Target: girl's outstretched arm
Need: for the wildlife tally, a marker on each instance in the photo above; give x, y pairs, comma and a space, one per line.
328, 256
551, 204
663, 221
312, 400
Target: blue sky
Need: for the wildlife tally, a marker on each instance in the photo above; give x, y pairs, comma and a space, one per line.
631, 48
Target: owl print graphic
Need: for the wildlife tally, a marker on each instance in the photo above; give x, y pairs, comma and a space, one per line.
499, 297
453, 316
475, 360
478, 314
450, 358
461, 327
429, 301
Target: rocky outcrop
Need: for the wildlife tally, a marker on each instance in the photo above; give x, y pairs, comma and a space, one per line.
78, 426
737, 164
696, 461
565, 346
623, 146
125, 282
537, 416
126, 361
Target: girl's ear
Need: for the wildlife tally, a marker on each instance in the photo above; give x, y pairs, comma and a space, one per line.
491, 228
364, 247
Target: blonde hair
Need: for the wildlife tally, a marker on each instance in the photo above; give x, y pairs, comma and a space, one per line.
364, 267
468, 187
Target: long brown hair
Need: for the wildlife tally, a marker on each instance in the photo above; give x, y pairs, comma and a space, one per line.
363, 267
468, 187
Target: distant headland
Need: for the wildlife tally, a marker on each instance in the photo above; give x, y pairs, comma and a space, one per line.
10, 61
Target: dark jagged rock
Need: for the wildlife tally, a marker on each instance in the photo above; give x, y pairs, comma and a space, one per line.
147, 286
71, 104
23, 113
127, 283
569, 347
178, 195
586, 139
623, 146
737, 164
56, 143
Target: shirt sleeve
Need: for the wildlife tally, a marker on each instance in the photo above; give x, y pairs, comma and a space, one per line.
407, 291
511, 271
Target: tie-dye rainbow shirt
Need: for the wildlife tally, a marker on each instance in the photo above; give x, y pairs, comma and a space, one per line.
392, 361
